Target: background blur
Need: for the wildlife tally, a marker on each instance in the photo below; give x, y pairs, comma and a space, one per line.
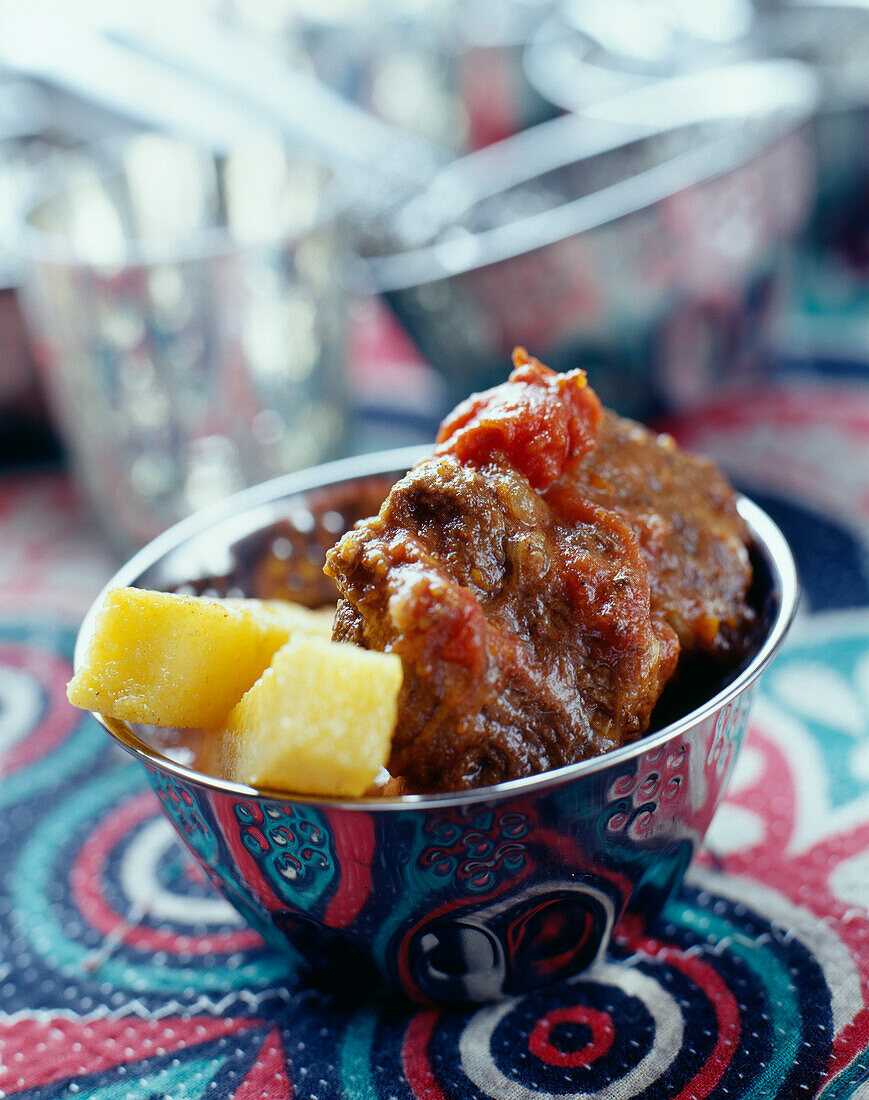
239, 239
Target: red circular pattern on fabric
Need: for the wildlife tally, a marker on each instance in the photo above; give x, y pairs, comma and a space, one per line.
599, 1023
723, 1002
86, 878
59, 718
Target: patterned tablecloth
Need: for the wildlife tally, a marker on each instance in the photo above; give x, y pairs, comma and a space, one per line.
122, 974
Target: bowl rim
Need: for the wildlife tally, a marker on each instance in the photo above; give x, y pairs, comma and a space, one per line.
765, 532
590, 51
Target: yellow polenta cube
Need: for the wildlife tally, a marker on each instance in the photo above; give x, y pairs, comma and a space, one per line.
318, 721
285, 613
185, 661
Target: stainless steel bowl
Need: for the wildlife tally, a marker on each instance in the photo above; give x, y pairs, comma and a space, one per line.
832, 37
591, 50
648, 252
462, 897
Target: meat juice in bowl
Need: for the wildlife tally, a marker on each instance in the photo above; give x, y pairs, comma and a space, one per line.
579, 611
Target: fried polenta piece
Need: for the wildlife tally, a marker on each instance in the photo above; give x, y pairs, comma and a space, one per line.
185, 661
318, 721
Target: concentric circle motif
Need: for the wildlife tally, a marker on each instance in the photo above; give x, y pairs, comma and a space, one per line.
102, 886
496, 1045
131, 865
713, 1000
553, 1038
42, 738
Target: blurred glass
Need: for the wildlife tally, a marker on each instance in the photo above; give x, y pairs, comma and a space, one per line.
188, 322
396, 58
22, 124
830, 299
449, 71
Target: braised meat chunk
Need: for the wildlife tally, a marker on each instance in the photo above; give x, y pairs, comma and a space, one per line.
684, 514
511, 574
479, 588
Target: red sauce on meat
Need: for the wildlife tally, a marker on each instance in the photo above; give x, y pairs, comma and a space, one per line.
540, 577
538, 422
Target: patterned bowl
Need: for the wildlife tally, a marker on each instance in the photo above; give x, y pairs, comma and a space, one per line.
458, 897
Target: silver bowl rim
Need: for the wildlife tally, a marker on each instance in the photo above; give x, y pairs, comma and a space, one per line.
841, 79
564, 29
765, 532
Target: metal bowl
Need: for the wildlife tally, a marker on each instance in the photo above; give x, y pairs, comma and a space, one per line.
833, 37
588, 51
458, 897
648, 253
